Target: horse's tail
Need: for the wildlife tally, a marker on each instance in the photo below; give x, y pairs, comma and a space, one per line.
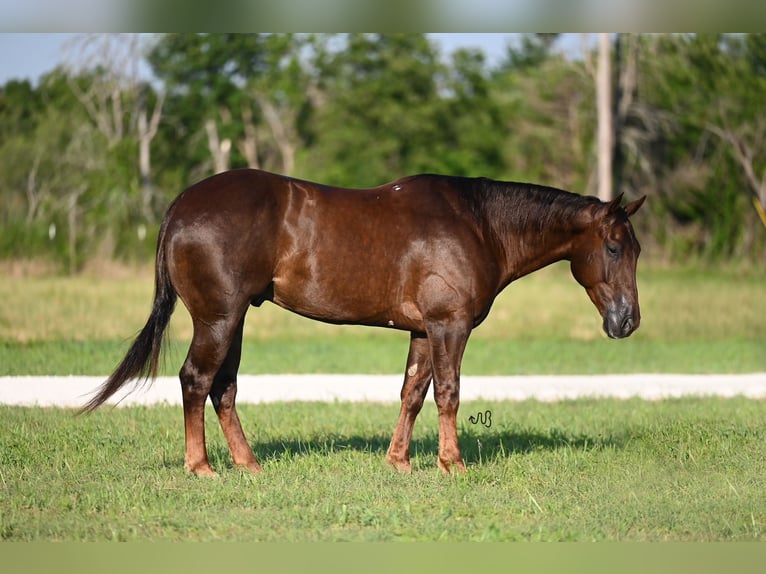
142, 359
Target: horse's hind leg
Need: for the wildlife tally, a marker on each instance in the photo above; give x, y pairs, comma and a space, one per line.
207, 353
223, 395
417, 378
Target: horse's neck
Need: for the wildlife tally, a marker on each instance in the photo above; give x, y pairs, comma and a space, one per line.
532, 246
526, 254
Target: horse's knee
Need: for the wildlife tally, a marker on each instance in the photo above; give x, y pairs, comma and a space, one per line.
223, 396
447, 396
413, 402
193, 386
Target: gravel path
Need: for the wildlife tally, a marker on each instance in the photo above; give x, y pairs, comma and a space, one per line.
74, 391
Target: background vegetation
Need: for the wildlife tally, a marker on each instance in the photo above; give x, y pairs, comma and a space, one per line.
92, 153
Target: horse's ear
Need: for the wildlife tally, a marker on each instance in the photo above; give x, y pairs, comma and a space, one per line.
633, 206
614, 205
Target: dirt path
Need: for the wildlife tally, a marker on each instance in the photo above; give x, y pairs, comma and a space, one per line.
74, 391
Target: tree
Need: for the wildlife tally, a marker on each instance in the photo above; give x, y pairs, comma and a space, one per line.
235, 98
147, 128
739, 121
49, 156
122, 105
533, 51
470, 120
703, 90
203, 74
615, 88
546, 113
605, 138
377, 116
385, 106
20, 107
282, 92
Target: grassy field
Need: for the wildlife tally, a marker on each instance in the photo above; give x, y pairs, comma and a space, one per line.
692, 469
693, 322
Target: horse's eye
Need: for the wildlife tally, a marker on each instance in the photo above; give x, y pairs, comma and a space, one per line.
613, 251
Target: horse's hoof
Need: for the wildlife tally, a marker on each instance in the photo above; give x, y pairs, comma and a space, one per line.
400, 465
447, 466
251, 467
200, 470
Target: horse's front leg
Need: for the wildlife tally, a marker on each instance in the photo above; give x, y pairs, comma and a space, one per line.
417, 378
447, 342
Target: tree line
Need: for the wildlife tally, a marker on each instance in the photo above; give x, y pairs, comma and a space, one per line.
92, 153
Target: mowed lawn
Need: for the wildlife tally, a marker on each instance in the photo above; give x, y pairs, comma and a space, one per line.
691, 469
687, 469
693, 322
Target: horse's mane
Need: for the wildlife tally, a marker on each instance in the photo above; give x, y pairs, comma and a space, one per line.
522, 206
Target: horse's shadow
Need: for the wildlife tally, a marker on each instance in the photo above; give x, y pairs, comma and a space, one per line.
477, 445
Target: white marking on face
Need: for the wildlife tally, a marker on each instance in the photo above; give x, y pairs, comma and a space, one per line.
412, 371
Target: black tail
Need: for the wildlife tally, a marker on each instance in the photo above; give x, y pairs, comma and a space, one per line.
142, 360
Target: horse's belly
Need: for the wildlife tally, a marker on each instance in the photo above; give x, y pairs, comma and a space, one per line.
347, 303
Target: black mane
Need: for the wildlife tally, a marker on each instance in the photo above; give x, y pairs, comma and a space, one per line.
522, 206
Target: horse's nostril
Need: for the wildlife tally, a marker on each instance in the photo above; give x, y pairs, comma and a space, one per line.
627, 324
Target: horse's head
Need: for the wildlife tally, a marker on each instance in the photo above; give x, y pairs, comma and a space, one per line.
604, 262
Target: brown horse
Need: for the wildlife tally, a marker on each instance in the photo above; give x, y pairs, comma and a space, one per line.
426, 254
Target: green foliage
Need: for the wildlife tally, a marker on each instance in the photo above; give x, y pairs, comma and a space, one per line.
533, 51
364, 109
708, 89
380, 115
547, 116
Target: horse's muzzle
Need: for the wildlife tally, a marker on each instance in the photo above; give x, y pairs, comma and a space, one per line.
621, 324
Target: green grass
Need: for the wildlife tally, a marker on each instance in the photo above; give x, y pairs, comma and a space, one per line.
691, 469
693, 321
386, 354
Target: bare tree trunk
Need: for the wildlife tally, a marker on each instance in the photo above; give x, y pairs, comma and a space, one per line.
744, 154
282, 132
626, 74
219, 149
605, 125
33, 191
144, 159
248, 145
147, 130
103, 99
72, 221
